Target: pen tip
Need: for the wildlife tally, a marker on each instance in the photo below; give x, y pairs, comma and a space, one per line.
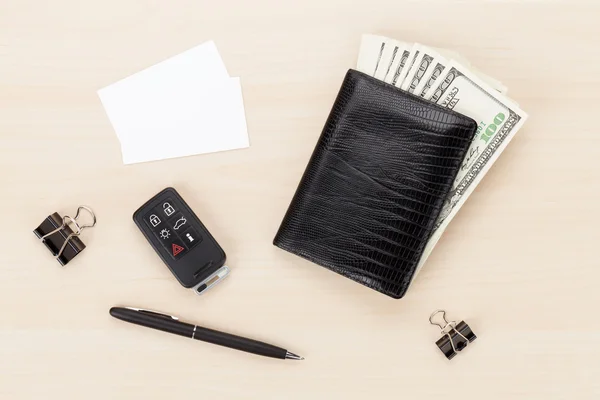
292, 356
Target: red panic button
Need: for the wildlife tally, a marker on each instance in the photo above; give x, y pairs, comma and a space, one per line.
177, 249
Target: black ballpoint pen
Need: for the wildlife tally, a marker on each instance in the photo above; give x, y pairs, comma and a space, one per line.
171, 324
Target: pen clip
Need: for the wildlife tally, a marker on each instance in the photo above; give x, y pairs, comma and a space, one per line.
151, 312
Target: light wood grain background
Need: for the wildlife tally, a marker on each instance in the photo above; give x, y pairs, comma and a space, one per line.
519, 263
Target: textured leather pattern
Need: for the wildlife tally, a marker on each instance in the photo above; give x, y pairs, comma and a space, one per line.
375, 184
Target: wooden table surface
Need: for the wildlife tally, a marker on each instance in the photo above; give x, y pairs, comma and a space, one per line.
519, 263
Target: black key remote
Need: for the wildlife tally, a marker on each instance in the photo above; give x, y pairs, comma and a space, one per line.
182, 241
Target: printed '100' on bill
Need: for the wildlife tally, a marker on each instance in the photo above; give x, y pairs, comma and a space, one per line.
498, 120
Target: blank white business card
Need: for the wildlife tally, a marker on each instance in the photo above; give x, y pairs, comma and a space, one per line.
210, 120
182, 106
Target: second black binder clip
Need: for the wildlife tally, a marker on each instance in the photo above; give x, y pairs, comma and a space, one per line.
455, 336
61, 234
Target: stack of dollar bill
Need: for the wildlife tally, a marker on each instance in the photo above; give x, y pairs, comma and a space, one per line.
445, 78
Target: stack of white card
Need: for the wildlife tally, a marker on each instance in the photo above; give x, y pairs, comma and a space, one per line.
182, 106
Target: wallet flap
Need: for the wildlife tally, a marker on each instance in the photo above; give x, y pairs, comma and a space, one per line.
375, 184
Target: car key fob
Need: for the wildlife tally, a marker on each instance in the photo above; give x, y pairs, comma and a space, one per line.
182, 241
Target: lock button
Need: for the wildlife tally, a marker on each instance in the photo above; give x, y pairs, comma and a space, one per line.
168, 208
153, 220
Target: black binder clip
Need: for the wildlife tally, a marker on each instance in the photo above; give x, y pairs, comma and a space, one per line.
455, 336
61, 234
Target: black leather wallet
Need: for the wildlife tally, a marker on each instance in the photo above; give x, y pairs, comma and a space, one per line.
375, 184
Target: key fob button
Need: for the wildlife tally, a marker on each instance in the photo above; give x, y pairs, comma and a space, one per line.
164, 233
190, 237
176, 248
154, 219
168, 208
179, 222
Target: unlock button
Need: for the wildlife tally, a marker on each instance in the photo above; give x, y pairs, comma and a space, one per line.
190, 237
168, 208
